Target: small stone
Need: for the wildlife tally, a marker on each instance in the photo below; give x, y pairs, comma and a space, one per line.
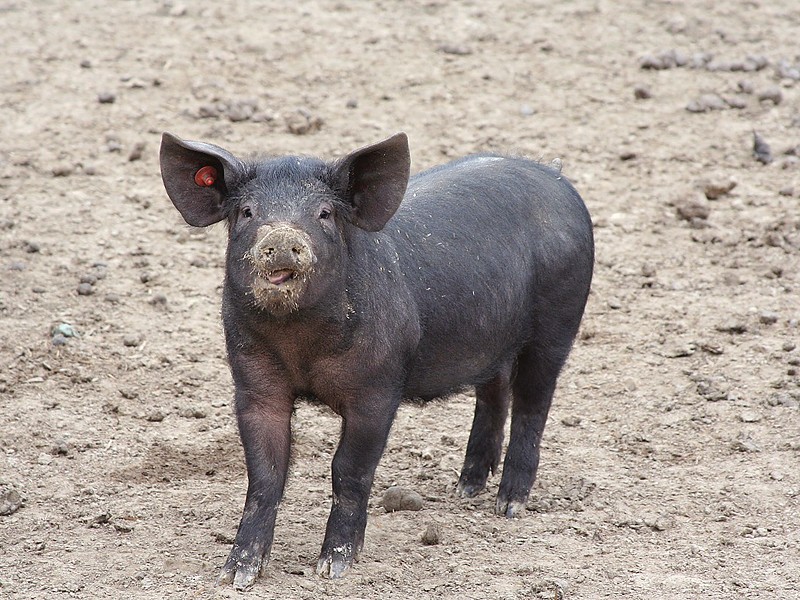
571, 421
132, 340
155, 416
59, 340
526, 110
771, 94
44, 459
137, 151
712, 391
192, 413
89, 278
768, 317
735, 327
455, 49
129, 393
705, 103
749, 416
761, 149
85, 289
242, 110
787, 191
745, 86
62, 170
745, 443
776, 476
649, 61
716, 188
209, 111
86, 64
642, 92
179, 10
32, 247
60, 447
352, 103
788, 346
432, 535
158, 300
64, 329
660, 522
696, 207
106, 97
614, 303
398, 498
10, 500
648, 270
302, 122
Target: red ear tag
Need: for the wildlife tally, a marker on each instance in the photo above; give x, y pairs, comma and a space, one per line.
205, 177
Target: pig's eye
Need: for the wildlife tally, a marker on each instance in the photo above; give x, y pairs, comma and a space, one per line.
246, 212
324, 212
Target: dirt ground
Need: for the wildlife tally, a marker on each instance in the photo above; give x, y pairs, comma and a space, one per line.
670, 460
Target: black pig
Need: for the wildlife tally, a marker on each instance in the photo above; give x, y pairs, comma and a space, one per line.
348, 283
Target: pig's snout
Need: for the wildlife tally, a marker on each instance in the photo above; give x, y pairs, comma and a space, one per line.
282, 259
281, 254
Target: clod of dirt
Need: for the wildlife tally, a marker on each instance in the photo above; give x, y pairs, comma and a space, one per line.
10, 500
399, 498
106, 97
761, 149
189, 412
432, 535
696, 207
716, 188
302, 122
712, 390
707, 102
772, 94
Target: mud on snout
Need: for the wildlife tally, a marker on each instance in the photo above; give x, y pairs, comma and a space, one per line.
282, 260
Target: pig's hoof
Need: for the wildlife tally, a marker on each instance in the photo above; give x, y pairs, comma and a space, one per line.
333, 563
509, 508
468, 489
240, 570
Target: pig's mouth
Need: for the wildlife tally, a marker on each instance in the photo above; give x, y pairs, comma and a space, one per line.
281, 276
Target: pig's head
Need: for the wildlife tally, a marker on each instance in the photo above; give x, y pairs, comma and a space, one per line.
290, 218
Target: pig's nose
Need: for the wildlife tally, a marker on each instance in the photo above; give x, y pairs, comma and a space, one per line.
282, 244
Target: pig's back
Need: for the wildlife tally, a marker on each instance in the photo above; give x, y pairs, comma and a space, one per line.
481, 242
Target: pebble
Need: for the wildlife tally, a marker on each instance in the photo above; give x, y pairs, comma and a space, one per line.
59, 340
745, 86
786, 191
749, 416
352, 103
455, 49
614, 303
705, 103
132, 340
62, 170
32, 247
761, 149
64, 329
155, 416
642, 92
771, 94
85, 289
716, 188
89, 278
696, 207
399, 498
571, 421
192, 413
768, 317
745, 444
736, 327
788, 346
776, 475
432, 535
242, 110
106, 97
301, 122
44, 459
526, 110
711, 391
136, 152
10, 500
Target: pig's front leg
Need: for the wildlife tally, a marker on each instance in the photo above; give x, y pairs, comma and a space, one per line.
365, 429
264, 417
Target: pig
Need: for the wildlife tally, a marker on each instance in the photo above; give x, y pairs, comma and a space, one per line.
350, 284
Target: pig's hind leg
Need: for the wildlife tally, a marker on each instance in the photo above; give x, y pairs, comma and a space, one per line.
486, 438
538, 367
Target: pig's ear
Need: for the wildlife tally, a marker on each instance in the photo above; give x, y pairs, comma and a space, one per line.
197, 176
373, 180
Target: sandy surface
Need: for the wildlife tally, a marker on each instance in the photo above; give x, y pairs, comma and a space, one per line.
670, 461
